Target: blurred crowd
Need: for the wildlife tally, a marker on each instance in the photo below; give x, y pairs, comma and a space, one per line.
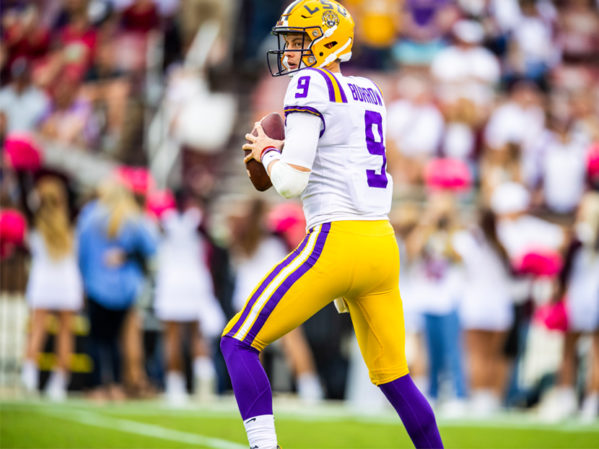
124, 205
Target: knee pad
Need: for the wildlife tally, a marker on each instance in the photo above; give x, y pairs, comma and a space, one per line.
230, 345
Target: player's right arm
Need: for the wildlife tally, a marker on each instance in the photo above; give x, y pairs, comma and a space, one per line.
289, 171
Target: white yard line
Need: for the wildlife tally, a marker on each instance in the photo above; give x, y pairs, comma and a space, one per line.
328, 412
125, 425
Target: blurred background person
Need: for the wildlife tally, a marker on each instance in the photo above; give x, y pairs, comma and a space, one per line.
523, 235
579, 289
437, 285
184, 293
115, 241
21, 102
486, 311
415, 129
466, 69
54, 286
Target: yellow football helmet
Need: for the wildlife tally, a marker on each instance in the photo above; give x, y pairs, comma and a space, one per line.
327, 29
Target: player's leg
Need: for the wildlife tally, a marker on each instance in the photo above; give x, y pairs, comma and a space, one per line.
175, 391
56, 386
435, 348
37, 337
289, 294
453, 339
204, 373
590, 404
299, 357
378, 320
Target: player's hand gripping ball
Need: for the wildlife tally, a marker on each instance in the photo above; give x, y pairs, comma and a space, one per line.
268, 132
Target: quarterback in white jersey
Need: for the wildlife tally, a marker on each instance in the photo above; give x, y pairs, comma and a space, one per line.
333, 157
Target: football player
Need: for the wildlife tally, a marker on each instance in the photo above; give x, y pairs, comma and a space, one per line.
333, 157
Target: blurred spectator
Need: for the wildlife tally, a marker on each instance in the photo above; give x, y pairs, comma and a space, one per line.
578, 31
377, 25
579, 288
518, 231
585, 120
22, 104
520, 234
141, 16
532, 51
511, 140
255, 251
425, 24
562, 168
24, 37
76, 42
69, 119
185, 301
404, 218
415, 126
466, 69
115, 243
437, 285
461, 137
54, 285
518, 120
108, 89
486, 311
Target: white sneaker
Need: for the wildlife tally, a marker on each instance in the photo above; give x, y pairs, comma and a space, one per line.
309, 389
484, 403
29, 377
56, 387
590, 408
558, 405
204, 379
454, 408
175, 391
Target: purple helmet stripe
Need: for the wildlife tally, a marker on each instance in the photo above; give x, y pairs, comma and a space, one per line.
287, 283
268, 280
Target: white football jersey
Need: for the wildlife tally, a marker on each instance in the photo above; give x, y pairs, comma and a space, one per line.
349, 179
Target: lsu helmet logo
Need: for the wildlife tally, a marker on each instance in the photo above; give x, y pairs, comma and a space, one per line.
330, 19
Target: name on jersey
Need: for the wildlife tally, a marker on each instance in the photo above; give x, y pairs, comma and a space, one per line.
365, 95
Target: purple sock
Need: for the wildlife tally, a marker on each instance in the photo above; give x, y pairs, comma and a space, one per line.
415, 412
250, 383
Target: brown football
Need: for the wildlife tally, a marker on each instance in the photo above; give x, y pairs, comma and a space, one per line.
274, 127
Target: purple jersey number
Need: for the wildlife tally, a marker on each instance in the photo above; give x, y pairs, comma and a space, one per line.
302, 84
372, 118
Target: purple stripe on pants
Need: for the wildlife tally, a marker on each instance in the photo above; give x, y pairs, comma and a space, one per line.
265, 283
287, 283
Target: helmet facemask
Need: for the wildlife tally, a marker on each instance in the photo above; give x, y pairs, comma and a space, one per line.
276, 59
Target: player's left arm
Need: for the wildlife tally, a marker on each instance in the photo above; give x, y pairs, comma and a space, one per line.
289, 171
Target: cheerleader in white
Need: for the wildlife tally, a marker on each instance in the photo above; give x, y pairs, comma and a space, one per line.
486, 311
54, 285
185, 299
580, 281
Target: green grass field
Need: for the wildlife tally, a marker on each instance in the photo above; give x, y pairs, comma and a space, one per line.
79, 424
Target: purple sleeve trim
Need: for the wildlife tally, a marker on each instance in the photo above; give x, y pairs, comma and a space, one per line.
289, 109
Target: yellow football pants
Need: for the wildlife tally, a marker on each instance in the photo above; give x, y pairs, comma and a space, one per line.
356, 260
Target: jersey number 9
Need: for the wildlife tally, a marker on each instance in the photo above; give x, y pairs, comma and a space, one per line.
372, 118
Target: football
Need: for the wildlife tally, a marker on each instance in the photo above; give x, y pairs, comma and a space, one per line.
274, 127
